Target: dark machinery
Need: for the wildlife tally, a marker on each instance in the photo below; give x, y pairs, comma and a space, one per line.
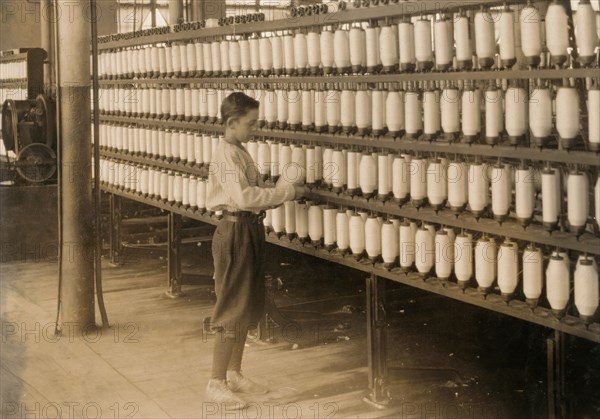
29, 131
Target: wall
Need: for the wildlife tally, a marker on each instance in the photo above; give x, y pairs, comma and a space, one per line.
20, 21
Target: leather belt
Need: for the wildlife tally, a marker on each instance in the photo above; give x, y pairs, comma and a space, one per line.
246, 217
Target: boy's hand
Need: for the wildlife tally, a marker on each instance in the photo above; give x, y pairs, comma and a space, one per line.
301, 190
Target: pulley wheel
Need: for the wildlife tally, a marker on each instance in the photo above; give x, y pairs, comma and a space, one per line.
36, 163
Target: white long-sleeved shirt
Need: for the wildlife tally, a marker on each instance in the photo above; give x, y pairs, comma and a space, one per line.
234, 183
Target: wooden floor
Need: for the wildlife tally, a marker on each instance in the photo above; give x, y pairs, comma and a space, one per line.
154, 361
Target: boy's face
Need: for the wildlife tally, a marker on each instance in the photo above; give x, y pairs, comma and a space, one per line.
241, 128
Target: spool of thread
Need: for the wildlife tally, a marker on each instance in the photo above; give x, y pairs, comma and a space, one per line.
327, 50
289, 216
394, 113
235, 58
372, 58
532, 275
593, 107
373, 238
288, 54
485, 264
437, 185
306, 111
224, 51
328, 167
329, 227
443, 255
185, 196
577, 201
443, 44
406, 246
450, 112
341, 51
313, 51
540, 115
339, 176
424, 251
198, 46
353, 159
557, 33
357, 235
319, 111
406, 37
462, 39
524, 195
347, 111
516, 114
507, 38
362, 113
302, 221
478, 186
334, 111
315, 224
383, 176
206, 149
264, 159
413, 120
508, 268
471, 117
356, 39
586, 32
501, 187
457, 174
311, 168
293, 98
431, 114
252, 149
531, 34
493, 108
285, 160
300, 53
215, 52
342, 228
193, 192
557, 284
245, 57
388, 48
272, 108
278, 220
201, 195
378, 113
586, 289
297, 169
389, 243
423, 44
551, 198
164, 185
400, 179
485, 41
418, 181
367, 175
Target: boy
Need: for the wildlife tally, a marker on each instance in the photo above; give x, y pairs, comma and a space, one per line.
238, 247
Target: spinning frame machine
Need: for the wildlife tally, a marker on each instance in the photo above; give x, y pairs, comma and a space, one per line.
413, 135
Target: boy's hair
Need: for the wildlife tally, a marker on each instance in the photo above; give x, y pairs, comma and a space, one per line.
237, 105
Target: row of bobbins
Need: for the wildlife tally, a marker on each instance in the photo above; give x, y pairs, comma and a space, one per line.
525, 191
443, 43
404, 244
448, 111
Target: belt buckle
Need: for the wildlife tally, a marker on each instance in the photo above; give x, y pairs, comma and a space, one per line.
261, 216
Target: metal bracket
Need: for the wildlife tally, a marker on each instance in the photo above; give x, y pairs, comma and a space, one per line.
174, 255
555, 347
115, 230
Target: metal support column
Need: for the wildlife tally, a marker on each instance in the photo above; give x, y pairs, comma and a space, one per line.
377, 344
555, 346
77, 225
174, 255
115, 230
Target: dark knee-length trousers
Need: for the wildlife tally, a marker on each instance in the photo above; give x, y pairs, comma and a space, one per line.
238, 250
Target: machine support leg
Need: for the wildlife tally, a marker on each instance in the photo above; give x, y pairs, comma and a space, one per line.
377, 344
115, 230
556, 375
174, 255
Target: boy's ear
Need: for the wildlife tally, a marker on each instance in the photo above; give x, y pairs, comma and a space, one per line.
230, 122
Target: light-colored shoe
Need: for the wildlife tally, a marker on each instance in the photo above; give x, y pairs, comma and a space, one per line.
237, 382
217, 391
